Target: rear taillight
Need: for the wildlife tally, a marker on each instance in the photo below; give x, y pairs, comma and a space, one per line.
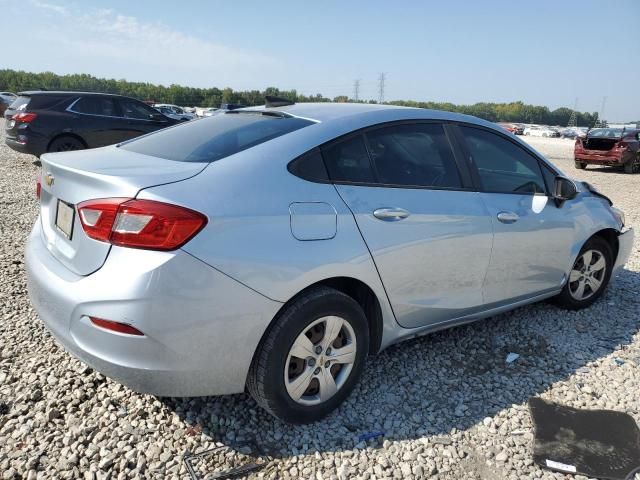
38, 185
139, 223
24, 117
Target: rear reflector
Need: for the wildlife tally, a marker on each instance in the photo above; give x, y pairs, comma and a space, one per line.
116, 326
139, 223
24, 117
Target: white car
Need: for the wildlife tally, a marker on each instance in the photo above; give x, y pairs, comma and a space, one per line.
174, 111
540, 131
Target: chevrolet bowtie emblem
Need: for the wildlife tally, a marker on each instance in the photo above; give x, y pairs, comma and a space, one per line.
48, 178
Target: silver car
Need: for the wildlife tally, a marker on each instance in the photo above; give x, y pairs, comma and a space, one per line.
273, 248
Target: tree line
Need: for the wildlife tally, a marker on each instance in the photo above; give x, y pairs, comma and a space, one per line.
16, 81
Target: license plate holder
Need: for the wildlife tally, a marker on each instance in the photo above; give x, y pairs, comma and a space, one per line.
65, 216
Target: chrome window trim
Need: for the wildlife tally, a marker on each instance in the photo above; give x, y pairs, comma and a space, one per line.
70, 110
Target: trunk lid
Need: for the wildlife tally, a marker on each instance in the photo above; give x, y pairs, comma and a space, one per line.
72, 177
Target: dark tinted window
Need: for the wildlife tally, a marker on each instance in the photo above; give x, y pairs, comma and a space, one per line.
136, 110
215, 137
413, 155
348, 161
47, 101
309, 167
503, 166
549, 177
96, 106
20, 103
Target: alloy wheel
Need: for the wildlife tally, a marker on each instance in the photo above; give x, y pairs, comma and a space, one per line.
587, 275
320, 360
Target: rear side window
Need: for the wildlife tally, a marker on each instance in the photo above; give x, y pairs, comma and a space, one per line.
43, 102
96, 106
348, 161
413, 155
503, 167
213, 138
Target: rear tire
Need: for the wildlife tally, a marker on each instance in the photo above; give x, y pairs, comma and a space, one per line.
589, 276
580, 165
330, 330
631, 166
66, 143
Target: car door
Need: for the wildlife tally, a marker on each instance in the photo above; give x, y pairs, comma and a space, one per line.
427, 230
533, 235
95, 118
140, 118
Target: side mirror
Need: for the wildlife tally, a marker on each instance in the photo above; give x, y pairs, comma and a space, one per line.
564, 189
157, 117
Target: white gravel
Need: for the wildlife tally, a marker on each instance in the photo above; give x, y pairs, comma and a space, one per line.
449, 404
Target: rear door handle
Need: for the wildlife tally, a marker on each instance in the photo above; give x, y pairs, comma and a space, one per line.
390, 214
508, 217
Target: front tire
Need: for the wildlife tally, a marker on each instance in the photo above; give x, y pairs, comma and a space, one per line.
311, 358
589, 276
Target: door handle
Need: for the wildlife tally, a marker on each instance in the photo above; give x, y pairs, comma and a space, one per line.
508, 217
390, 214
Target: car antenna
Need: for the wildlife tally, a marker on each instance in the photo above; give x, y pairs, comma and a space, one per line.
272, 102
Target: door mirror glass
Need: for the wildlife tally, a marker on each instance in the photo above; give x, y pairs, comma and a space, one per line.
564, 189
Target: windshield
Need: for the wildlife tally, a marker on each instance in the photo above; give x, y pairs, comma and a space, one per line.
216, 137
606, 132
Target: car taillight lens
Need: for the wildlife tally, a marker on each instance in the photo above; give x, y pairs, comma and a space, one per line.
139, 223
38, 185
24, 117
116, 326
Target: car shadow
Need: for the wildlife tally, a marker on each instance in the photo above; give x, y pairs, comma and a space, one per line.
448, 381
615, 169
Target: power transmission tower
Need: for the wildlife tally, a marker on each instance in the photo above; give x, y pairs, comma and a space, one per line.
356, 90
601, 121
573, 120
381, 80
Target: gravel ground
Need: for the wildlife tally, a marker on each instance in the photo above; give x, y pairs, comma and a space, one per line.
450, 407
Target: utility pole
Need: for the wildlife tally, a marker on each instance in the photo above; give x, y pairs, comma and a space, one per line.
381, 80
356, 90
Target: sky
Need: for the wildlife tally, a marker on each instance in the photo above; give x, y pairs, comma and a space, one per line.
542, 52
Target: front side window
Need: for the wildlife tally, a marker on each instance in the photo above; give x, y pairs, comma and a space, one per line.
96, 106
503, 167
136, 110
413, 155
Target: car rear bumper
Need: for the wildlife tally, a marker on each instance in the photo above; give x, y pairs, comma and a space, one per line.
605, 157
30, 147
201, 327
625, 245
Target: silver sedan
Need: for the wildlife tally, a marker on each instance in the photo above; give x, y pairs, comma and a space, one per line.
273, 248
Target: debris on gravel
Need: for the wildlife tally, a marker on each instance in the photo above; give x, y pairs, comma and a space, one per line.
449, 405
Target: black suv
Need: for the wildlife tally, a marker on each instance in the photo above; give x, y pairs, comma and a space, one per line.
45, 121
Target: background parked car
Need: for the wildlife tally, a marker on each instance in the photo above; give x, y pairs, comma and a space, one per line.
615, 147
168, 112
6, 99
540, 131
53, 121
178, 113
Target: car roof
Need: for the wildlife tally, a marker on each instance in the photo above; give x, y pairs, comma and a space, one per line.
328, 111
30, 93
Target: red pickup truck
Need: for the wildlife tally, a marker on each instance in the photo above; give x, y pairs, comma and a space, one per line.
614, 147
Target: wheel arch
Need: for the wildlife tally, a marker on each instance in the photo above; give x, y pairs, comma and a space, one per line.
66, 134
362, 293
609, 235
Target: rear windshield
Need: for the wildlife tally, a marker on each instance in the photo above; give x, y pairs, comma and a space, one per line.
606, 132
213, 138
20, 103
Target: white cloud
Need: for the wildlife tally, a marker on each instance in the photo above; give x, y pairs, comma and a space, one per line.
106, 43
